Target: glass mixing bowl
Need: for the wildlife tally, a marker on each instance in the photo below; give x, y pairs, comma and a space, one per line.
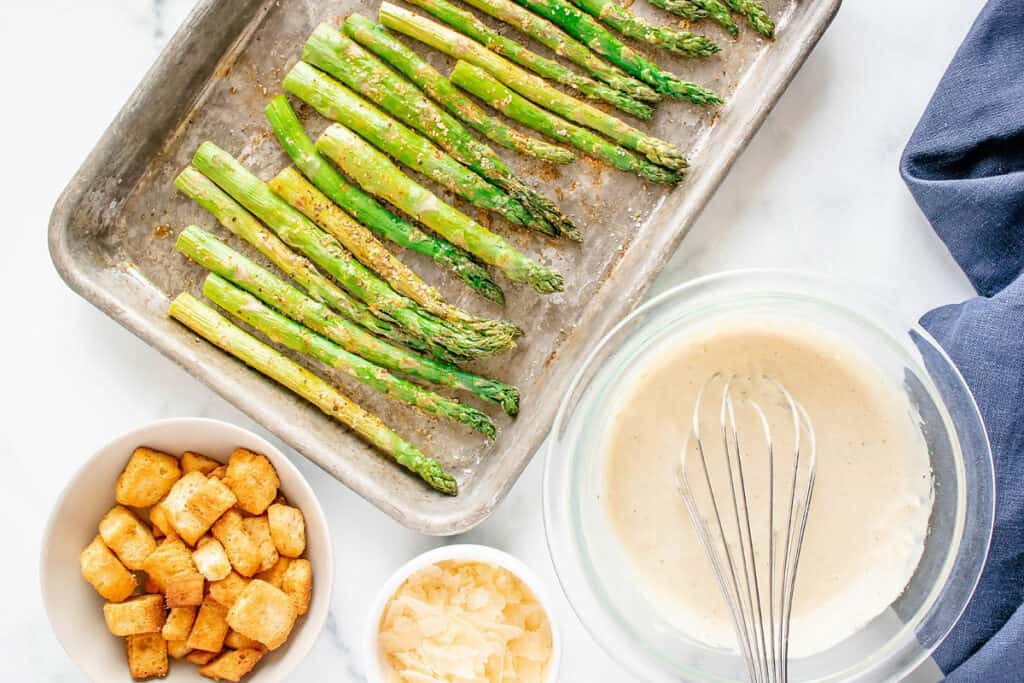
590, 562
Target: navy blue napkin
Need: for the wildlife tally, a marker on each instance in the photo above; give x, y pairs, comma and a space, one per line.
964, 165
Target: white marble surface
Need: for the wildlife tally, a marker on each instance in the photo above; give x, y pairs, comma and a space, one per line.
818, 189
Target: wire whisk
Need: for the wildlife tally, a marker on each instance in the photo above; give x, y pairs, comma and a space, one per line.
752, 536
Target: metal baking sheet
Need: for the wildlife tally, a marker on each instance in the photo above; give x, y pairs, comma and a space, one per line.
112, 234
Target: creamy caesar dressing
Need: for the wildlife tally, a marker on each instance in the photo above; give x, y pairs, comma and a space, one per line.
872, 499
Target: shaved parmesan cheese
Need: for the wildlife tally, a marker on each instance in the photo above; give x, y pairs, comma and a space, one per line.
465, 622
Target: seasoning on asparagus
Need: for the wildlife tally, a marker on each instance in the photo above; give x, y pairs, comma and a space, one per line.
590, 32
291, 186
532, 87
687, 9
337, 103
381, 42
628, 24
468, 24
216, 329
716, 10
343, 58
490, 90
756, 14
450, 340
282, 330
564, 45
217, 257
376, 174
368, 210
232, 216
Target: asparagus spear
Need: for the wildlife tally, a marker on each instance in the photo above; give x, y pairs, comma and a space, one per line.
756, 14
291, 186
449, 340
337, 103
368, 210
227, 211
564, 45
213, 327
282, 330
687, 9
377, 175
587, 30
217, 257
379, 40
716, 10
343, 58
468, 24
490, 90
628, 24
460, 47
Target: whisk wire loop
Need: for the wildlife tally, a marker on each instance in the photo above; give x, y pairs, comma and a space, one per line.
760, 603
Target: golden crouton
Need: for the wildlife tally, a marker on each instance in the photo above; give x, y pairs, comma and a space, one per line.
185, 590
232, 666
288, 529
178, 624
130, 539
242, 550
199, 657
147, 656
275, 574
253, 479
194, 462
147, 478
219, 473
202, 509
298, 584
104, 571
161, 521
211, 560
184, 522
151, 586
171, 559
258, 529
209, 628
178, 648
263, 613
142, 614
176, 499
227, 590
236, 641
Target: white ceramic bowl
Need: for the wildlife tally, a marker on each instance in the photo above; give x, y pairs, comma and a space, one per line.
375, 666
75, 609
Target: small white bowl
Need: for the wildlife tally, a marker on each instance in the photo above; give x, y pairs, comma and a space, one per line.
75, 609
376, 667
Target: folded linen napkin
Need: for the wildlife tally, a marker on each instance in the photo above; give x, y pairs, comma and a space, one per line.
964, 166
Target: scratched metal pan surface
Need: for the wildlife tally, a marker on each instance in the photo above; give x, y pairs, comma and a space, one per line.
112, 234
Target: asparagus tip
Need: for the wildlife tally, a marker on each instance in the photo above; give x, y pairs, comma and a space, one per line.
548, 281
480, 422
489, 290
766, 27
573, 234
433, 473
507, 396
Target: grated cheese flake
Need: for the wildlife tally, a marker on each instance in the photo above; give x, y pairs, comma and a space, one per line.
465, 622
